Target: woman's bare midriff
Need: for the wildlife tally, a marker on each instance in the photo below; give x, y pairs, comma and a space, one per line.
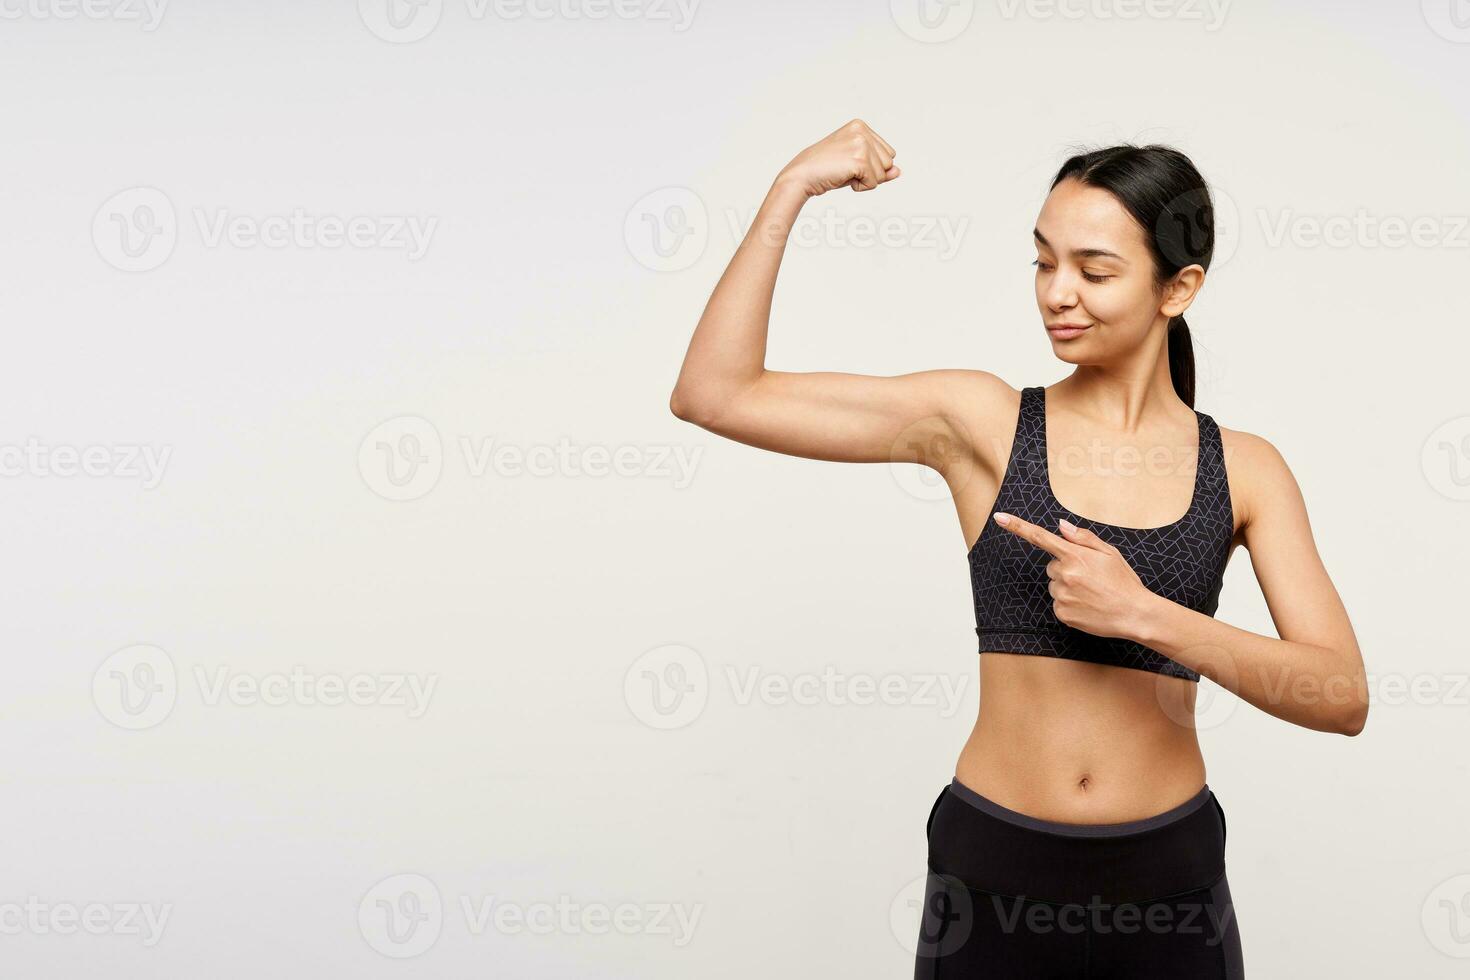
1081, 743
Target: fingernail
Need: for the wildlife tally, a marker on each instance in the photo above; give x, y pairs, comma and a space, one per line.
1067, 525
1002, 519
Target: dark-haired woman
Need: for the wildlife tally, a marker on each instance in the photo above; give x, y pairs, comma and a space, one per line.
1078, 837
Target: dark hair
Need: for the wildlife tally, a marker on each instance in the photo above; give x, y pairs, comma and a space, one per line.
1166, 195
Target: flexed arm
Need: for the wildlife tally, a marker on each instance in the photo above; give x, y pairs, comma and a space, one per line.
725, 387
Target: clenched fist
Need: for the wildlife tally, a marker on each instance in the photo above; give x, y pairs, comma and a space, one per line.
853, 156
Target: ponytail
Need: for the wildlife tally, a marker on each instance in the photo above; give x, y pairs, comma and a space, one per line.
1181, 360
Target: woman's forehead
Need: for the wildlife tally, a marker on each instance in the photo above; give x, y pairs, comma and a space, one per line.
1077, 215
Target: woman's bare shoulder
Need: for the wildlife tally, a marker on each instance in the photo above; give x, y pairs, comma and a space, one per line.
1257, 472
978, 393
983, 408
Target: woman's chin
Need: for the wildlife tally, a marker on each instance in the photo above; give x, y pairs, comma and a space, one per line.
1070, 351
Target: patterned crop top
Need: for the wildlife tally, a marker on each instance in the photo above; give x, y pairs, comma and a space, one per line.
1183, 561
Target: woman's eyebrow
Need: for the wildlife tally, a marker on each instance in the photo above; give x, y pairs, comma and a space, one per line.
1083, 253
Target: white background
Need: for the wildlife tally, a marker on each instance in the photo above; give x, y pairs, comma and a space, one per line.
556, 152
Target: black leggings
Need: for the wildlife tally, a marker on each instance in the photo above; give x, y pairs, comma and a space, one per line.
1012, 896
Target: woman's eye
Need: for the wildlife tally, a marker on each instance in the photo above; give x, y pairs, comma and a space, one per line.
1045, 267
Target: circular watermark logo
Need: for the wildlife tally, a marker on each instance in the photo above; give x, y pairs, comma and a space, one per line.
667, 687
1445, 458
401, 21
136, 687
932, 21
1187, 224
668, 229
402, 458
929, 463
1213, 707
1450, 19
135, 230
1446, 917
932, 916
1203, 705
401, 916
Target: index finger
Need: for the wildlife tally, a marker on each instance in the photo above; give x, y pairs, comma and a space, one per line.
1037, 535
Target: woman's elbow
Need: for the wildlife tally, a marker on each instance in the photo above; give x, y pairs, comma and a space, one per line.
1351, 714
702, 402
687, 407
1353, 719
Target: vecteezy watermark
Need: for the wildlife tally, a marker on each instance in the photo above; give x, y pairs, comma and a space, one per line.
137, 229
941, 234
401, 21
403, 459
1199, 222
1450, 19
667, 230
37, 917
932, 21
1445, 458
1210, 13
406, 21
933, 915
138, 686
565, 916
121, 461
147, 14
298, 686
403, 916
1364, 230
1205, 919
406, 233
839, 689
1201, 706
1421, 690
567, 459
669, 687
931, 459
1445, 917
1337, 696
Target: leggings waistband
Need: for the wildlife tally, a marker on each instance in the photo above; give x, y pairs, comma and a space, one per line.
1179, 812
993, 849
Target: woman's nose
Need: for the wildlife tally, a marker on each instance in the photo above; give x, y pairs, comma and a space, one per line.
1061, 291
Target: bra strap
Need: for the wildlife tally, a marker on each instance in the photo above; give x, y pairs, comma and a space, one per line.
1027, 464
1211, 462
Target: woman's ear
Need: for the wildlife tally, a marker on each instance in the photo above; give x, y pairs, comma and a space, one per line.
1182, 289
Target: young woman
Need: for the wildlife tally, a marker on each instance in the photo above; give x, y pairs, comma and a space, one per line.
1078, 837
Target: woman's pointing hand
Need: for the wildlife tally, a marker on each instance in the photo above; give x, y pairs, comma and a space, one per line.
1093, 588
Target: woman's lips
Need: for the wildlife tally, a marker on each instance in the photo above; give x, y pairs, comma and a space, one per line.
1066, 331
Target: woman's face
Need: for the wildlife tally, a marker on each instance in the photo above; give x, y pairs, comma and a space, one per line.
1094, 271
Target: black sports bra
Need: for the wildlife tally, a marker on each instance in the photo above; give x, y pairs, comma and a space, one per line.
1183, 561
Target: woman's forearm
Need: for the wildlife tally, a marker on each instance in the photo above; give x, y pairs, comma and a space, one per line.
1313, 686
728, 349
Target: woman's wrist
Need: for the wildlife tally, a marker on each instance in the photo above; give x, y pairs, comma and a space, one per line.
778, 212
1146, 624
789, 188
